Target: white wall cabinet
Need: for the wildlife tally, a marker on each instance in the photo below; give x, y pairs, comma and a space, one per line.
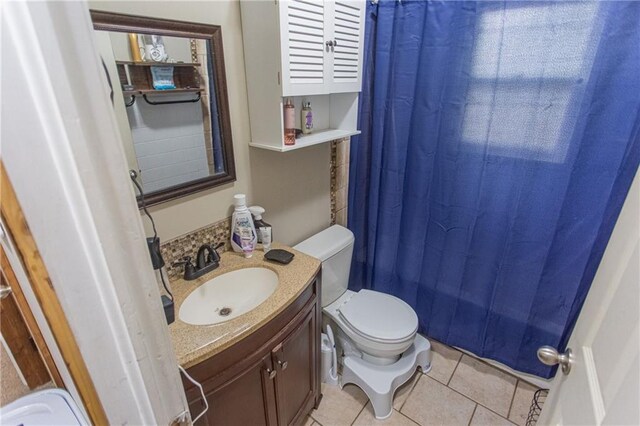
307, 50
321, 46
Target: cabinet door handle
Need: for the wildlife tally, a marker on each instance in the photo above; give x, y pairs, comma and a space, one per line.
283, 365
271, 373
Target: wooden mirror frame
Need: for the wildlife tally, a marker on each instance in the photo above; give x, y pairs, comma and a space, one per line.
117, 22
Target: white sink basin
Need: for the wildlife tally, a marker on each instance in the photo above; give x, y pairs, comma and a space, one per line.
228, 296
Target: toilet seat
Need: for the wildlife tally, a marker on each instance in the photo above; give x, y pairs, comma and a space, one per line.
379, 317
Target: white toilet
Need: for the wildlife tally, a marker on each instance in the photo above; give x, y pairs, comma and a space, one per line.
377, 336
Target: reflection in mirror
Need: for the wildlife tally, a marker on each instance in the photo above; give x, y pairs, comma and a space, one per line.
171, 108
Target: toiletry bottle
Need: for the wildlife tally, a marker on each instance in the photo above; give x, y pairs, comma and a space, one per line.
265, 234
242, 226
247, 241
258, 222
306, 116
135, 48
289, 113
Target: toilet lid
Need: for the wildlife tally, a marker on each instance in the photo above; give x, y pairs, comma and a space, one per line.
379, 316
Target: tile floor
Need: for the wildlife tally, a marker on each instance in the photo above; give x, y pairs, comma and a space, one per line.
459, 390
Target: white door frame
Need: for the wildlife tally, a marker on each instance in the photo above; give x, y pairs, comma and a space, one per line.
62, 152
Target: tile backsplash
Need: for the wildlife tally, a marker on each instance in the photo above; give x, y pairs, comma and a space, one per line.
339, 180
188, 245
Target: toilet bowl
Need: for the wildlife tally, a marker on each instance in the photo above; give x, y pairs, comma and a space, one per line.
374, 326
376, 333
379, 339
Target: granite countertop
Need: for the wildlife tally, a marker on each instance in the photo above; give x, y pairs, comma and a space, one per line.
195, 343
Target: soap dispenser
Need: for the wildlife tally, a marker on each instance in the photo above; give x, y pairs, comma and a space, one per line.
258, 222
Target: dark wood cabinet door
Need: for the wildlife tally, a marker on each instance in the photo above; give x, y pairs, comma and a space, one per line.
272, 377
295, 360
246, 399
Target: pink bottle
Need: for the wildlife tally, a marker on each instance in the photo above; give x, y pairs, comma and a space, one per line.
289, 123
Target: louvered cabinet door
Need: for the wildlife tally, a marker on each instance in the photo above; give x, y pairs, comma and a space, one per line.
304, 51
347, 37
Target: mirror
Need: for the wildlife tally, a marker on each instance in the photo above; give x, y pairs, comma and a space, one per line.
170, 98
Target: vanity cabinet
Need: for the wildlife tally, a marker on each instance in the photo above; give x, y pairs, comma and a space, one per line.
271, 377
306, 50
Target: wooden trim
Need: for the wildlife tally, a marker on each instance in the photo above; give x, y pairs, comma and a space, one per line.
36, 271
18, 338
29, 319
118, 22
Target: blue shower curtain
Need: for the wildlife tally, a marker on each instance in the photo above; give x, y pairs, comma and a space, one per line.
499, 140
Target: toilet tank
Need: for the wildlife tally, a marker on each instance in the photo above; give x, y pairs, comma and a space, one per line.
334, 247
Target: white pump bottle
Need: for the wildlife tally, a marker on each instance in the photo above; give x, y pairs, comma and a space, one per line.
243, 233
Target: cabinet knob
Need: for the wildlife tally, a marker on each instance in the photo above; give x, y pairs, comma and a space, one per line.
271, 373
329, 43
335, 43
283, 365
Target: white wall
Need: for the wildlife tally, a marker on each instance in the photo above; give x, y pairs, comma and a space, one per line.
169, 142
293, 187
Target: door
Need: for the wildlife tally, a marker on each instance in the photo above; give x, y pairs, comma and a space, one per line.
18, 336
345, 24
295, 362
246, 399
304, 51
602, 387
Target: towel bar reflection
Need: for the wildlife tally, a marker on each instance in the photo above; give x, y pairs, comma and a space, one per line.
186, 101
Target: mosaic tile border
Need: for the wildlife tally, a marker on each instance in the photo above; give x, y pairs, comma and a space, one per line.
187, 245
339, 180
333, 184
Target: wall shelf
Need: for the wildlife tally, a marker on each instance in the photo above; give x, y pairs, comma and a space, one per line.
159, 64
186, 77
315, 138
306, 51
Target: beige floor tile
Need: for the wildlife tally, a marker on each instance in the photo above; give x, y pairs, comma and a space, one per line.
521, 402
367, 417
339, 407
484, 417
484, 384
431, 403
403, 391
309, 422
443, 362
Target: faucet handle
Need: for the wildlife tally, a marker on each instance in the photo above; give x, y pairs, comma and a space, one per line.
189, 268
215, 256
186, 260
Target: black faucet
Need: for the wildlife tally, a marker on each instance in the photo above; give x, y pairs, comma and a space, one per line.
207, 260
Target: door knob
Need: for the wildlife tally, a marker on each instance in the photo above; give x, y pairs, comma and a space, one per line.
5, 290
550, 356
